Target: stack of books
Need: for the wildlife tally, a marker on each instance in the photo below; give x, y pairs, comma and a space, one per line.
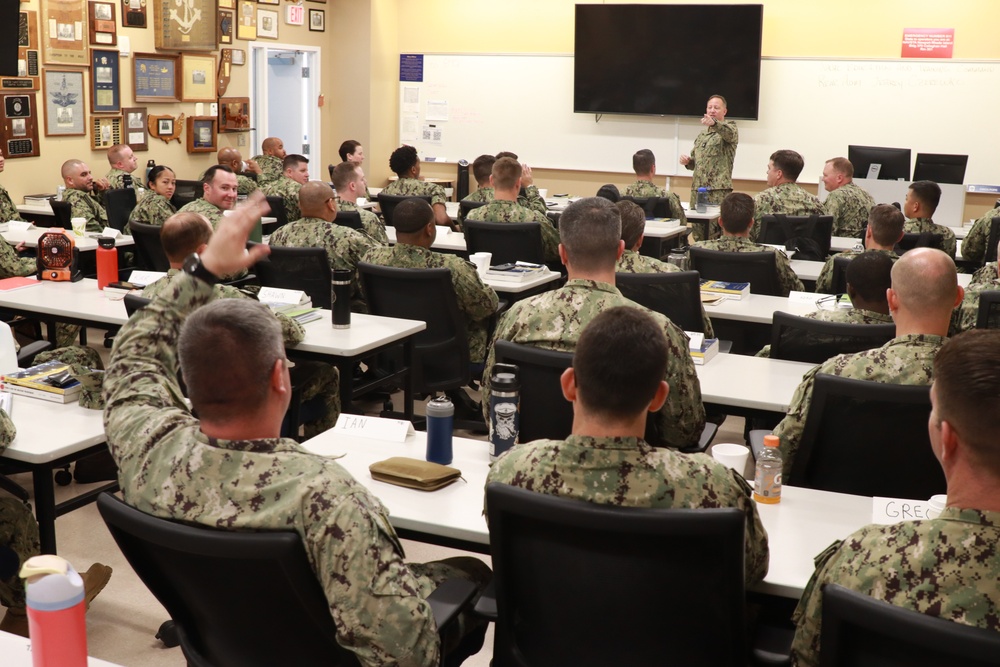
728, 289
50, 381
516, 272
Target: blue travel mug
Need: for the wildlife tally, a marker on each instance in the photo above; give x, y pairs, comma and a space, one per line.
440, 424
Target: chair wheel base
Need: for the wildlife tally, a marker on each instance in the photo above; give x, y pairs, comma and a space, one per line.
168, 634
63, 478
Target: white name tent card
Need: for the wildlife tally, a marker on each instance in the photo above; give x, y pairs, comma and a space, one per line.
375, 428
110, 232
19, 226
804, 297
285, 297
145, 277
894, 510
696, 339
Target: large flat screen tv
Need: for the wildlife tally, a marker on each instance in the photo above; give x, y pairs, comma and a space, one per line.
666, 60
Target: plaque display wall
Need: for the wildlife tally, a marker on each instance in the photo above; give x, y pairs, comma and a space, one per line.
28, 57
155, 77
19, 126
64, 32
186, 25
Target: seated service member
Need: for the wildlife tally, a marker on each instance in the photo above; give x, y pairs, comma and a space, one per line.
233, 159
590, 234
344, 246
966, 315
405, 163
296, 174
783, 195
885, 229
528, 196
185, 233
270, 160
82, 194
482, 168
352, 151
973, 245
606, 461
219, 184
737, 222
633, 225
229, 469
947, 566
921, 201
868, 280
123, 162
848, 203
415, 232
506, 182
349, 182
924, 291
644, 166
155, 207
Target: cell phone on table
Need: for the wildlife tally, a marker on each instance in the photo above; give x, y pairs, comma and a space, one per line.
503, 267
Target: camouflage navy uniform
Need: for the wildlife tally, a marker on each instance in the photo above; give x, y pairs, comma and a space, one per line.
324, 379
628, 472
944, 567
921, 225
531, 199
245, 185
824, 282
87, 205
407, 187
476, 301
18, 528
201, 205
11, 265
633, 262
967, 313
712, 161
288, 190
345, 247
153, 209
8, 211
116, 181
843, 316
903, 360
554, 321
849, 205
784, 198
500, 210
646, 189
786, 276
483, 194
374, 227
270, 168
973, 245
169, 468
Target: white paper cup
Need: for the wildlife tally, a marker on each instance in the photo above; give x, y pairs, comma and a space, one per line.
732, 456
79, 226
543, 192
481, 260
937, 505
361, 201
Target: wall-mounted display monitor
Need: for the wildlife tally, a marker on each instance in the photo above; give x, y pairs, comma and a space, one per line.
940, 168
887, 164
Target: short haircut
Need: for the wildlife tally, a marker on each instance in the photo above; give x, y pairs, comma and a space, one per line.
870, 275
925, 281
292, 161
929, 194
411, 215
736, 212
633, 222
227, 349
591, 229
842, 166
403, 159
720, 98
482, 167
505, 173
212, 171
967, 392
610, 192
619, 381
269, 143
183, 233
643, 161
344, 174
313, 196
886, 222
348, 148
69, 166
155, 172
115, 153
789, 162
503, 154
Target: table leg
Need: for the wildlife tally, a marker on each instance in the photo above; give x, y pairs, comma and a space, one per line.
408, 384
45, 507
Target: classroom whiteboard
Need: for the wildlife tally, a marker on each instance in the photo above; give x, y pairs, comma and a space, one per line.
468, 105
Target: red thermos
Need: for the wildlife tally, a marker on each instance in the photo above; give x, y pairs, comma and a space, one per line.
56, 606
107, 261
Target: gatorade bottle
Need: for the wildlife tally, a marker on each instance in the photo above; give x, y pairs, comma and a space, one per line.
767, 480
56, 608
107, 261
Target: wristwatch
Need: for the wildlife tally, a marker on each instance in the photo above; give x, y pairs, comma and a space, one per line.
194, 267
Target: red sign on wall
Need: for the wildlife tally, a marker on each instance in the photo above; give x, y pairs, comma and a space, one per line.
928, 42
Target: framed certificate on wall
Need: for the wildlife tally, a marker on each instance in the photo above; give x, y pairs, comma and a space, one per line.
187, 25
105, 87
155, 77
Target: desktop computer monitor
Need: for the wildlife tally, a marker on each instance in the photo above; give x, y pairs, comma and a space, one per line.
893, 163
940, 168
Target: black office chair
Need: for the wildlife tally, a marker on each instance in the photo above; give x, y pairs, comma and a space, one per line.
119, 204
804, 339
508, 241
869, 439
350, 219
149, 254
186, 192
306, 269
913, 240
861, 631
786, 230
991, 241
577, 583
134, 303
63, 213
989, 310
676, 295
330, 168
465, 206
838, 284
654, 207
241, 598
757, 268
278, 211
387, 204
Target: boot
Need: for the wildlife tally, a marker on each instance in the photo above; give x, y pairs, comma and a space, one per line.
94, 581
15, 621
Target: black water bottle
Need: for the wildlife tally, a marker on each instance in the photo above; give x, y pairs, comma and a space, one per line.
127, 181
341, 293
505, 418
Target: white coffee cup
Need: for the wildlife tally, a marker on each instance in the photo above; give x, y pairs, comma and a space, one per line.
732, 456
543, 192
361, 201
481, 260
79, 226
937, 505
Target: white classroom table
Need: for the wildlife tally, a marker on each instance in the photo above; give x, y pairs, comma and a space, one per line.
756, 308
799, 528
751, 383
15, 651
809, 270
29, 237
